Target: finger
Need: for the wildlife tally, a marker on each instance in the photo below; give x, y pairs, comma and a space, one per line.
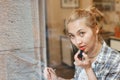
45, 70
76, 55
78, 63
75, 63
49, 73
46, 73
85, 56
52, 70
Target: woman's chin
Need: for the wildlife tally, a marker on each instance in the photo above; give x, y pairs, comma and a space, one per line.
86, 51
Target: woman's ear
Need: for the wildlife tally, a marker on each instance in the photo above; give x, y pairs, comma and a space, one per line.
96, 29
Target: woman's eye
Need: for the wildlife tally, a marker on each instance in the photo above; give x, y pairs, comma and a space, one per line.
81, 34
71, 36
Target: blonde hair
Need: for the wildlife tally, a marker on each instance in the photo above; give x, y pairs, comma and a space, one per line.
92, 16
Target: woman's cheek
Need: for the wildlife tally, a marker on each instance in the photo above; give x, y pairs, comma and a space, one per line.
73, 42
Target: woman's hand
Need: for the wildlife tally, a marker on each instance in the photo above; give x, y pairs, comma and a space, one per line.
50, 74
84, 63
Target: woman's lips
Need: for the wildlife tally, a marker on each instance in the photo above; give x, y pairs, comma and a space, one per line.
82, 48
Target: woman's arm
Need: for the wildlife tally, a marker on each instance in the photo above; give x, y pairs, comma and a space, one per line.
90, 74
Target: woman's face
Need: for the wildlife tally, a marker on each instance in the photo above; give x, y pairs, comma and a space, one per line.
82, 36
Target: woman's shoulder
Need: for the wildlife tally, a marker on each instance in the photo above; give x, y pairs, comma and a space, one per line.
109, 55
114, 52
114, 56
110, 51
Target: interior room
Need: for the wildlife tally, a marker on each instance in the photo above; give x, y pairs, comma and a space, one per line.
59, 50
32, 36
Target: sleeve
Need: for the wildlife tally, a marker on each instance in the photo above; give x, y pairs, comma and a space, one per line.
77, 72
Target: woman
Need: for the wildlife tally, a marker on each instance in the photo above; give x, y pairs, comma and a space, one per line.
99, 61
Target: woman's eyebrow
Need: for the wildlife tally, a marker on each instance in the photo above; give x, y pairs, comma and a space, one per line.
79, 30
69, 33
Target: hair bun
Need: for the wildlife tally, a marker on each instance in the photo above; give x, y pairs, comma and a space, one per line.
97, 13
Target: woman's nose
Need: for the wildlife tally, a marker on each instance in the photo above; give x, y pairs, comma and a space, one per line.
78, 40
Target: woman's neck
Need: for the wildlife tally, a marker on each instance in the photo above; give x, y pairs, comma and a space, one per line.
96, 51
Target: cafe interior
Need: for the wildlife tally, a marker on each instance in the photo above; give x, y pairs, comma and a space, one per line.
60, 54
